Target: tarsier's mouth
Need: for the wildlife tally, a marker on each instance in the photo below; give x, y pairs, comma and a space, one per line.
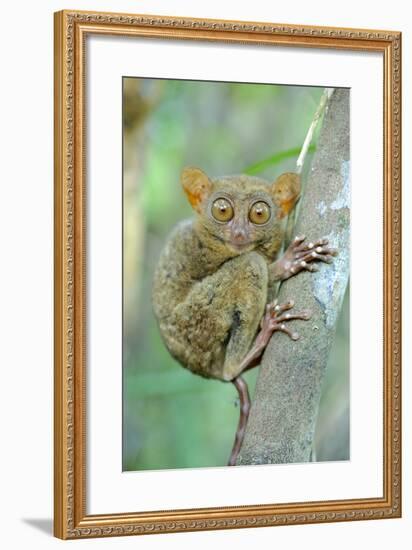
241, 246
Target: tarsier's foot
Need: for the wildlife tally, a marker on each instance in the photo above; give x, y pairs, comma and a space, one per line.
275, 318
299, 255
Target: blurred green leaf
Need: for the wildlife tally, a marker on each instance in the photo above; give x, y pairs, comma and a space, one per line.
275, 159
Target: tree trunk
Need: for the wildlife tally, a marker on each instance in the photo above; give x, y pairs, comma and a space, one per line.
285, 406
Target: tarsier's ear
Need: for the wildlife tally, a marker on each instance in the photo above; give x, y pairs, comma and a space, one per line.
285, 192
197, 186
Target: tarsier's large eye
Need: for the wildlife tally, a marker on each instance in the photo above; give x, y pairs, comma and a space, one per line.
259, 212
222, 210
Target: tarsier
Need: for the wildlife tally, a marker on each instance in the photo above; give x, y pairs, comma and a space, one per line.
210, 288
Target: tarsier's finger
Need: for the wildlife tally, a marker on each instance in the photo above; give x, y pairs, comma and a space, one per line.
299, 265
298, 240
309, 267
311, 245
304, 315
327, 258
303, 254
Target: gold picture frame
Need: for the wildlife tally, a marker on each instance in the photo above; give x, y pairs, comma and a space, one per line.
71, 520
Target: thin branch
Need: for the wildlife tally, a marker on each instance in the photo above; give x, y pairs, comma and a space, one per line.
327, 94
307, 144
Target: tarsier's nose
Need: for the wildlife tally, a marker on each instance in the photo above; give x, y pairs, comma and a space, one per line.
239, 235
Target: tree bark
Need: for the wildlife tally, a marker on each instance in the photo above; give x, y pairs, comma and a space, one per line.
285, 406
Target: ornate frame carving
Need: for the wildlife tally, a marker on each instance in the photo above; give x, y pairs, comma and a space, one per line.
71, 520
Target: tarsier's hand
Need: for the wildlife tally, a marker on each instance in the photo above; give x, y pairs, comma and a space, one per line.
300, 255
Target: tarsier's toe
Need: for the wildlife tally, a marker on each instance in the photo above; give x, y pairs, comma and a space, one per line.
306, 314
283, 328
275, 309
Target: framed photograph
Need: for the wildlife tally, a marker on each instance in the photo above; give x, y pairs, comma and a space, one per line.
227, 274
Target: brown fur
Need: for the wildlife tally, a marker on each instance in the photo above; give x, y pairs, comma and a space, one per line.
209, 294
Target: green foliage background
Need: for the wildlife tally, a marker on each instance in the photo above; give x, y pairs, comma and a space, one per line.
172, 418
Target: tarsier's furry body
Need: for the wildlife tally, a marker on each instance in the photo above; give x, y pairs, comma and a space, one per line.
210, 288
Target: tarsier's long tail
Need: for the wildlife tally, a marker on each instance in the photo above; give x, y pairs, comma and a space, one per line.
244, 405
